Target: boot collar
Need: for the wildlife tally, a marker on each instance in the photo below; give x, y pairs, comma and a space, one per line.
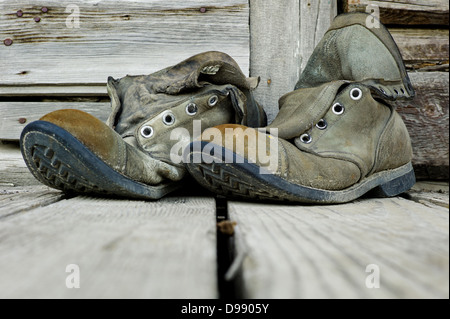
130, 93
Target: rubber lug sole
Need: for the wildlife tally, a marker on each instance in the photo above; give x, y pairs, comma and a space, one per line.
59, 160
232, 175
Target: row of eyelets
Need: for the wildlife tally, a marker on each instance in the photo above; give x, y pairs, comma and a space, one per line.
402, 91
169, 118
148, 131
338, 109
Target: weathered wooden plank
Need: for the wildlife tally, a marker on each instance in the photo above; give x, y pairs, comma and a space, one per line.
432, 187
332, 251
53, 90
124, 249
14, 116
13, 170
315, 19
282, 39
18, 199
405, 12
274, 50
428, 198
115, 38
19, 190
423, 48
430, 192
427, 120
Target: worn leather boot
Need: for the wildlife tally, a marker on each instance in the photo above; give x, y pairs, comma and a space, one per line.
333, 144
136, 153
356, 49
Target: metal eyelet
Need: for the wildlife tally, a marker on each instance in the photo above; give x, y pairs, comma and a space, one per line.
306, 138
191, 109
147, 131
168, 118
322, 124
338, 109
356, 94
213, 100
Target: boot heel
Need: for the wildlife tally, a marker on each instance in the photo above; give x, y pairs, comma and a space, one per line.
396, 186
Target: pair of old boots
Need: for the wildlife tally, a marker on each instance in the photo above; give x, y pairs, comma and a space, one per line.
334, 139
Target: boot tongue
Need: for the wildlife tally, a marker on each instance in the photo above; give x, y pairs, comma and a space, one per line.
303, 107
135, 98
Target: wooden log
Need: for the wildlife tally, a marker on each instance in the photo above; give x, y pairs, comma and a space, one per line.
115, 38
405, 12
288, 251
15, 116
123, 249
427, 120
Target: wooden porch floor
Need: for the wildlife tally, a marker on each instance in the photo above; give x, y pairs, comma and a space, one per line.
55, 246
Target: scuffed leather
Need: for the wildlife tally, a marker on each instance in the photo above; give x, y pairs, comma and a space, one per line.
141, 101
352, 51
368, 137
112, 149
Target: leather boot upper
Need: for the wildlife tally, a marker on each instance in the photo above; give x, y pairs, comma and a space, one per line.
209, 87
353, 51
329, 137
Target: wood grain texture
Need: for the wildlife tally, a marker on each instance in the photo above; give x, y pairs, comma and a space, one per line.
11, 112
53, 90
427, 120
323, 251
13, 170
282, 39
115, 38
17, 199
405, 12
274, 50
423, 49
315, 19
124, 249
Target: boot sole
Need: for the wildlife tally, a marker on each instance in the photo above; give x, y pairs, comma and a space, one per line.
59, 160
232, 175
